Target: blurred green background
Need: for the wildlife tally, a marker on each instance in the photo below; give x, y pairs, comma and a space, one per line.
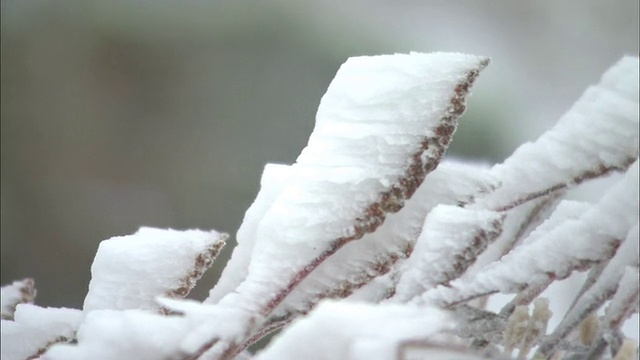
121, 114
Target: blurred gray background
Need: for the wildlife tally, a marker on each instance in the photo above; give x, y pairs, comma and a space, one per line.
120, 114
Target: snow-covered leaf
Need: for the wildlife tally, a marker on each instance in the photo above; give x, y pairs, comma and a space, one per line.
19, 292
360, 261
603, 289
382, 126
34, 329
597, 135
573, 244
274, 179
451, 240
349, 330
129, 272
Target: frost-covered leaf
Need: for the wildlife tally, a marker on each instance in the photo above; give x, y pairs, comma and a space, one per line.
274, 179
34, 329
451, 240
346, 330
382, 126
519, 222
19, 292
128, 334
129, 272
573, 244
567, 210
139, 334
358, 262
597, 135
603, 289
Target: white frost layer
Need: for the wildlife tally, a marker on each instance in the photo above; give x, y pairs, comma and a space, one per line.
567, 210
129, 272
130, 334
625, 300
451, 237
274, 179
11, 295
34, 328
600, 130
451, 183
138, 334
606, 285
371, 121
347, 330
557, 251
373, 117
517, 225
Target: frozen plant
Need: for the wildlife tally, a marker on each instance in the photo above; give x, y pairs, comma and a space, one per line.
372, 246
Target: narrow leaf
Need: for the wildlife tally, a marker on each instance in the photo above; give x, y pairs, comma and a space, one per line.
573, 244
597, 135
124, 264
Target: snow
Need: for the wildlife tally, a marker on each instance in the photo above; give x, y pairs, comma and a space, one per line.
274, 179
349, 176
18, 292
129, 334
129, 272
34, 328
451, 239
589, 238
358, 261
598, 133
517, 225
567, 210
348, 330
139, 334
626, 295
604, 288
